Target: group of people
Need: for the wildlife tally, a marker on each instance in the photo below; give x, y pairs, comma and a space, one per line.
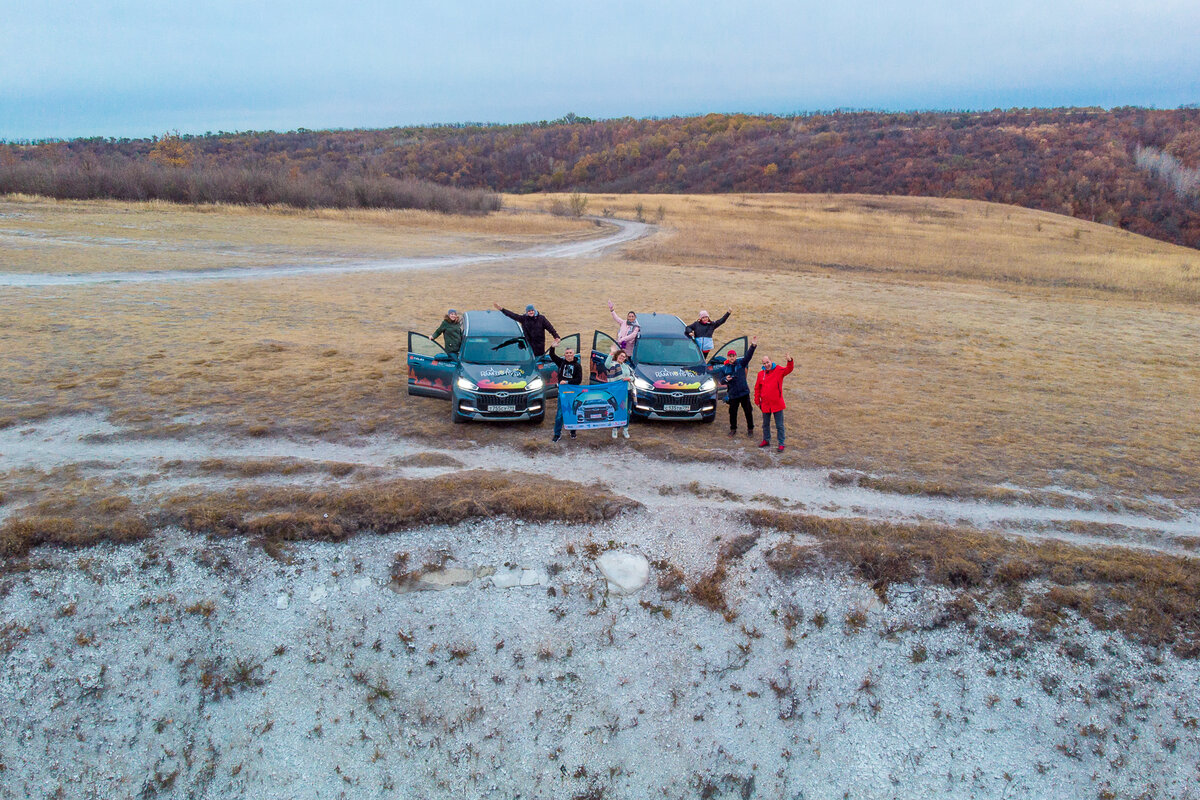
768, 385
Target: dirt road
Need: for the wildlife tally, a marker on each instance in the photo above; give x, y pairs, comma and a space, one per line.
616, 232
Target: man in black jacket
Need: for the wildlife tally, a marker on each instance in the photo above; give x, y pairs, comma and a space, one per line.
533, 325
702, 330
570, 372
738, 392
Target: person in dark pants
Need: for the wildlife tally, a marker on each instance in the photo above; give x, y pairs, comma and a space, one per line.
451, 332
768, 396
570, 372
738, 390
533, 325
702, 330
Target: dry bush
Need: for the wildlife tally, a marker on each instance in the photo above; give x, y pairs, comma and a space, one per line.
426, 460
290, 513
1151, 597
71, 519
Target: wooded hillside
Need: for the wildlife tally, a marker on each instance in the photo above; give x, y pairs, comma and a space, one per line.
1130, 167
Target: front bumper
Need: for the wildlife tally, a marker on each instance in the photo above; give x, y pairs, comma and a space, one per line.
654, 405
481, 405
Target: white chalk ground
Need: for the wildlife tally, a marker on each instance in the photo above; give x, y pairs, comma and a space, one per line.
184, 667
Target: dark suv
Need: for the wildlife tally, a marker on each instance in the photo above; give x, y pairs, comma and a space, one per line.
671, 378
494, 377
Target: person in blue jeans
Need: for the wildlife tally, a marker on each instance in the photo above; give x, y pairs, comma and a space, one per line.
733, 375
570, 372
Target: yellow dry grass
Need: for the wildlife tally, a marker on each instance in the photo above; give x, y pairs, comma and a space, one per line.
974, 378
72, 236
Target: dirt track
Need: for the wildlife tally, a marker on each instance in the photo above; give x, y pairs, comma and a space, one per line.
620, 232
104, 452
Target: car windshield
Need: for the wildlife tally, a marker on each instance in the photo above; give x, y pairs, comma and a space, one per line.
496, 350
668, 352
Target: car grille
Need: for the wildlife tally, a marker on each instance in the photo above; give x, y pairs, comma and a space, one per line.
657, 400
485, 401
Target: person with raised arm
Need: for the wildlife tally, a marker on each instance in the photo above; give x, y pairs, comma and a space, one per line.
702, 330
737, 389
628, 331
768, 396
533, 325
570, 372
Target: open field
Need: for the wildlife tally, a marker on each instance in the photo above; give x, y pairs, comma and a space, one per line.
234, 551
946, 382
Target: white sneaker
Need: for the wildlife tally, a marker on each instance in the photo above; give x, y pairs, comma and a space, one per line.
625, 432
614, 433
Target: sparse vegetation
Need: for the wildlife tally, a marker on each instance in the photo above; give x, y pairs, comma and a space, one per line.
1149, 596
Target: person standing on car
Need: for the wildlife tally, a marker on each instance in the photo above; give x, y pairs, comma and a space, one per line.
738, 390
533, 325
702, 330
768, 396
570, 372
629, 330
618, 368
451, 332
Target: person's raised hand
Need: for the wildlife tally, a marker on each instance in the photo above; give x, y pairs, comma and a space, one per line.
498, 306
754, 340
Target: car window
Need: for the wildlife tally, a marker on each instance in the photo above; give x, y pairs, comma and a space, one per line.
668, 352
496, 350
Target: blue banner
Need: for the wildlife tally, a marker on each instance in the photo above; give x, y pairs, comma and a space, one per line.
600, 405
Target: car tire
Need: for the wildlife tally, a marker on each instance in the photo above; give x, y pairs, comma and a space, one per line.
538, 420
709, 420
456, 417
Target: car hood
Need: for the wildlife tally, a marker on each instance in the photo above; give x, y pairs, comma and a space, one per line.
499, 376
669, 378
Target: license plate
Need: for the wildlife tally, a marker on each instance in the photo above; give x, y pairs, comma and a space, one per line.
502, 408
670, 407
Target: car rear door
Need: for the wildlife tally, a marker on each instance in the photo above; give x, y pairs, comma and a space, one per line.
716, 363
549, 370
430, 369
602, 345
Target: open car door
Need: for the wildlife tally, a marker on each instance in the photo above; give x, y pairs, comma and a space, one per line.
430, 368
602, 345
716, 362
549, 370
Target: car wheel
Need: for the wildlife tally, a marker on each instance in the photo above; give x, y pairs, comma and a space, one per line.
538, 420
458, 418
709, 420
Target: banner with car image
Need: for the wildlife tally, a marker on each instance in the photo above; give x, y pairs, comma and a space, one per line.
600, 405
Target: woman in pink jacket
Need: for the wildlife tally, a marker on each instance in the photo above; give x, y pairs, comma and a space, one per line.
629, 331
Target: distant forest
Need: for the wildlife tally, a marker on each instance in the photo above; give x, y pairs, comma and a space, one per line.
1134, 168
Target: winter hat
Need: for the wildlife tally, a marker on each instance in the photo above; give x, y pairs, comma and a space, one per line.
530, 307
703, 313
732, 353
452, 311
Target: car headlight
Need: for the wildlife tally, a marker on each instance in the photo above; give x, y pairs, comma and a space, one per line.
463, 383
536, 384
643, 384
708, 385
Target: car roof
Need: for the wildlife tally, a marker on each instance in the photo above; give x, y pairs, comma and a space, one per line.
489, 323
654, 324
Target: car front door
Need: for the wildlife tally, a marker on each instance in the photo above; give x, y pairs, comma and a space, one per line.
602, 345
716, 363
549, 370
430, 368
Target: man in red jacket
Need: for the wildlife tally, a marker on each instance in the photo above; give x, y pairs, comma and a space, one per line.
768, 395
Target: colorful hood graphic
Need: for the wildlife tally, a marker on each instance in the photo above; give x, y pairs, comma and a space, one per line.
498, 378
672, 379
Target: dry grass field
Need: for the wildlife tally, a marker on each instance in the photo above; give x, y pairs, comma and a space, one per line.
950, 343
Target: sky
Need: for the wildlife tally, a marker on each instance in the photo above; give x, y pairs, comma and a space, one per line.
135, 68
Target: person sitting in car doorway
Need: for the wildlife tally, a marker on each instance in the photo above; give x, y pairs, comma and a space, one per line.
629, 330
737, 389
618, 368
768, 396
570, 372
534, 326
451, 331
702, 330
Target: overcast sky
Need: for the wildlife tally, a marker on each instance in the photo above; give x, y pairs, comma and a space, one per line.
139, 68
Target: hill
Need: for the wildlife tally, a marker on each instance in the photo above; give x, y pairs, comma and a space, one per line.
1132, 168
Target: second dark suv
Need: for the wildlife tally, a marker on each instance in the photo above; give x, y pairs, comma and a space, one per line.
671, 378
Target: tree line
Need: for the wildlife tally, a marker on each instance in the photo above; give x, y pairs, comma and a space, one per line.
1125, 167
